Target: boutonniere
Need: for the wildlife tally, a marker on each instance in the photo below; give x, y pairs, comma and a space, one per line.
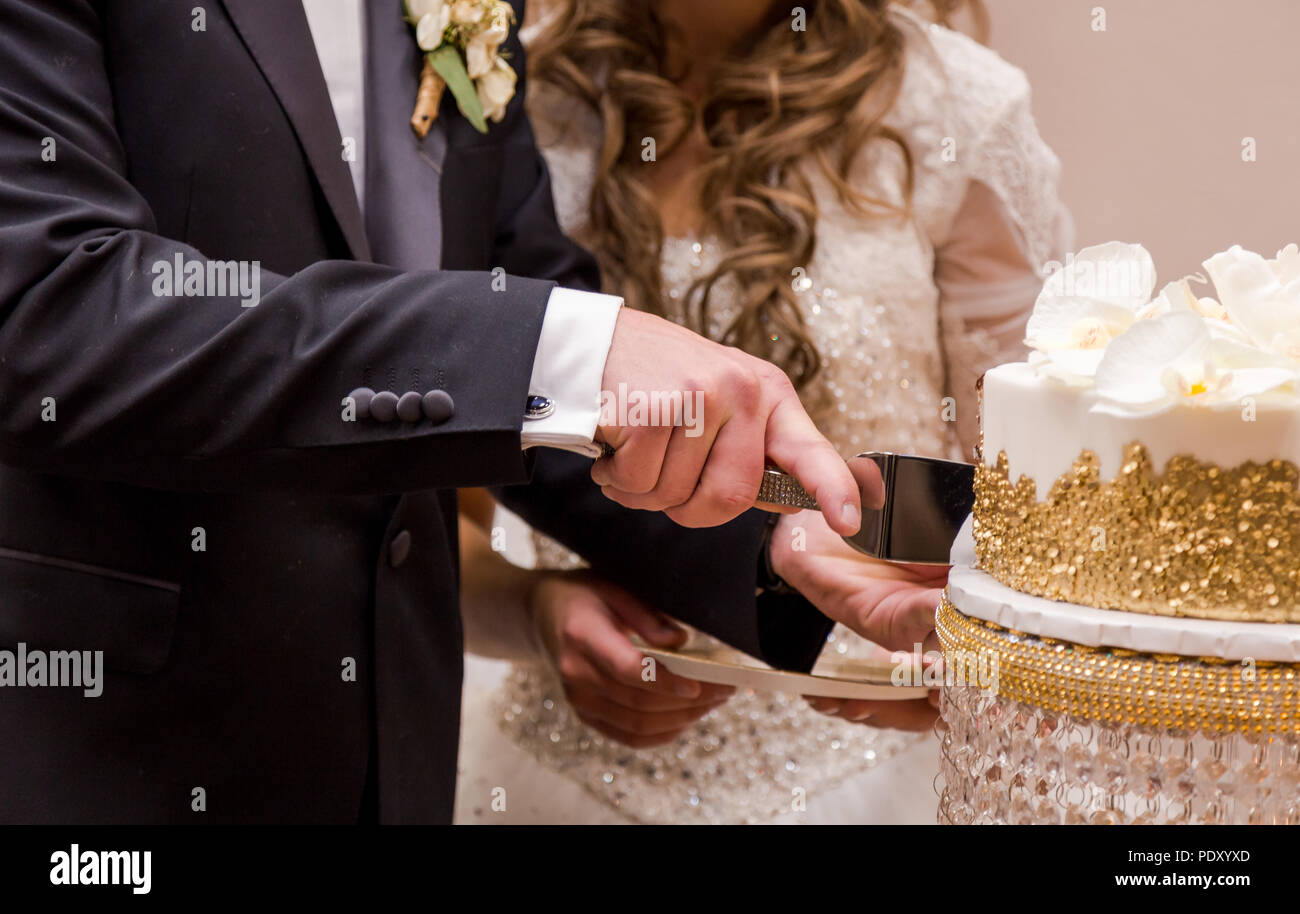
461, 40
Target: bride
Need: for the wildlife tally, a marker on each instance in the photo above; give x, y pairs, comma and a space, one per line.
846, 189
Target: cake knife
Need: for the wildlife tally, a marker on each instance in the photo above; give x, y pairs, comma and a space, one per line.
926, 502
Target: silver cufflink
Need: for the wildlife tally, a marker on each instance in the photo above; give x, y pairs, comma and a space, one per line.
538, 407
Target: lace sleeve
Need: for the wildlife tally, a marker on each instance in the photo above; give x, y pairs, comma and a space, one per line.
1004, 220
1009, 157
987, 286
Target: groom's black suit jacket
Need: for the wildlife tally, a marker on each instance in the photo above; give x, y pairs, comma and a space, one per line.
130, 131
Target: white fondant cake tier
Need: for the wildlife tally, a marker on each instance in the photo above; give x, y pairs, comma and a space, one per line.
1043, 425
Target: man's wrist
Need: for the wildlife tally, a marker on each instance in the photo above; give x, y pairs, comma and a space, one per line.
577, 332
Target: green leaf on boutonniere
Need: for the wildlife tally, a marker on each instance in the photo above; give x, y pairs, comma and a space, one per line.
446, 61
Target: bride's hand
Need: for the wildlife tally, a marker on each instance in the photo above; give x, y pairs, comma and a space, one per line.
888, 603
885, 602
584, 624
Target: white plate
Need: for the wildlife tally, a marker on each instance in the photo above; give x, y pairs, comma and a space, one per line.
833, 677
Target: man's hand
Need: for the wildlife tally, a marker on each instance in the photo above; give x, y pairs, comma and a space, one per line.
708, 472
885, 602
584, 623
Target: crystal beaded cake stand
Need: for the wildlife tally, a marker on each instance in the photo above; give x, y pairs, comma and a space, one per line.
1109, 718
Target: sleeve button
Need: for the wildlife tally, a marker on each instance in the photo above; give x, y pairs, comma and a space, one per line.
438, 406
383, 406
408, 407
361, 398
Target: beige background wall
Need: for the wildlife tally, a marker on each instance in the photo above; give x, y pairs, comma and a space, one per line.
1148, 118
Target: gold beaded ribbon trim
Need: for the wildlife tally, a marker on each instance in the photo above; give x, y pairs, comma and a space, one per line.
1125, 687
1196, 540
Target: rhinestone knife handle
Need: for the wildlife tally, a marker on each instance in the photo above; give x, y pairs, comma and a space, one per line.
777, 488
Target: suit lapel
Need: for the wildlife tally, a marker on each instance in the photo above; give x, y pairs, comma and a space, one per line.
277, 35
403, 173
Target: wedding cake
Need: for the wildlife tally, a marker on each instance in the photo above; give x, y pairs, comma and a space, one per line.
1133, 559
1145, 459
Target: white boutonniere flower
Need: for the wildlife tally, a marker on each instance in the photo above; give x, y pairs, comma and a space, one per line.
462, 43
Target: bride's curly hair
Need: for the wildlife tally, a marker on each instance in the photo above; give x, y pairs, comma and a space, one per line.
818, 95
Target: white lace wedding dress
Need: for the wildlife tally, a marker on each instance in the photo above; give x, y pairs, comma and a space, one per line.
905, 312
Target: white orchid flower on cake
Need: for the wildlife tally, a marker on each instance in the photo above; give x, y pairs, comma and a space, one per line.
1095, 325
1177, 359
1261, 297
1178, 297
1092, 299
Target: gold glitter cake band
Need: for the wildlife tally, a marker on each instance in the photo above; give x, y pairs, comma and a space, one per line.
1196, 540
1125, 687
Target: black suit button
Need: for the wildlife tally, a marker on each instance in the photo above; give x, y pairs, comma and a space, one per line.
438, 406
383, 406
408, 407
361, 397
399, 548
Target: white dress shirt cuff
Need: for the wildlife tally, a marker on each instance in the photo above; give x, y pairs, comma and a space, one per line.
577, 331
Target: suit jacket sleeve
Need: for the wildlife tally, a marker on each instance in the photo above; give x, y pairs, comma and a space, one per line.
101, 376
